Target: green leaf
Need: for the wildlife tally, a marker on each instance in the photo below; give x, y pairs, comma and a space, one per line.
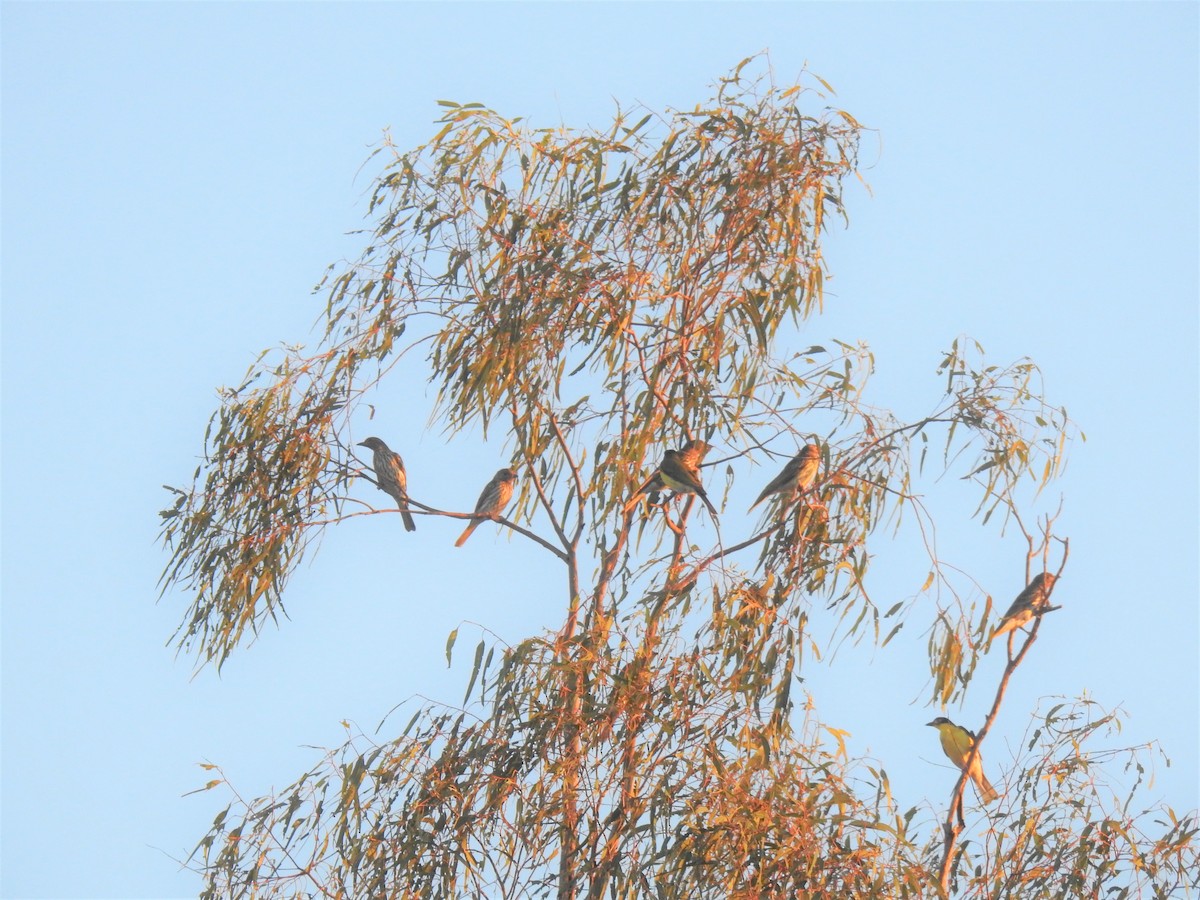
474, 671
891, 634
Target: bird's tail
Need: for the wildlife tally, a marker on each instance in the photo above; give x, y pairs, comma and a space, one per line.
462, 538
1005, 627
650, 486
766, 495
986, 792
712, 509
401, 498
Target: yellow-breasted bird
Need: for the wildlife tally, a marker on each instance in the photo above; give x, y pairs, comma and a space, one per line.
797, 476
682, 478
391, 477
1033, 601
495, 496
956, 744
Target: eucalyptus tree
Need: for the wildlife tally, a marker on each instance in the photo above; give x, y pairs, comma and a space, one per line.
595, 297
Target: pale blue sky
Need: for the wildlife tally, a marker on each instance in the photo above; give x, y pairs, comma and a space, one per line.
177, 177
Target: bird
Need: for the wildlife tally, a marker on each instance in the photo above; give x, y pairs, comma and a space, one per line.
956, 744
390, 474
691, 454
797, 476
495, 496
1033, 601
682, 478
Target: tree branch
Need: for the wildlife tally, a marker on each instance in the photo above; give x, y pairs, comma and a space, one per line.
954, 824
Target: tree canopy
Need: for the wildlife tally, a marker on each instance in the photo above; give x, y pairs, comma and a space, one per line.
597, 297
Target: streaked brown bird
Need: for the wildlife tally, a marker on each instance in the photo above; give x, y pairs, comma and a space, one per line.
496, 495
797, 476
1033, 601
682, 478
391, 477
691, 454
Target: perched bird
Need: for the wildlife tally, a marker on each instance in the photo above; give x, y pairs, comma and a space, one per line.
691, 455
390, 474
682, 478
492, 501
797, 476
693, 452
1033, 601
956, 744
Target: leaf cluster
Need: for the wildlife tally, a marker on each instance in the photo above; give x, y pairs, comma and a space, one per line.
595, 297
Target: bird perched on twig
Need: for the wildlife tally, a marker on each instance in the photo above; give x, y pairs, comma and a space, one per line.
1033, 601
391, 477
956, 744
691, 455
797, 476
682, 478
495, 496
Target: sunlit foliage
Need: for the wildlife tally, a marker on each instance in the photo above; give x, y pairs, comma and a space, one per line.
593, 297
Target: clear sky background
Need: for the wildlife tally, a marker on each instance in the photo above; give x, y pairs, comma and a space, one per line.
176, 177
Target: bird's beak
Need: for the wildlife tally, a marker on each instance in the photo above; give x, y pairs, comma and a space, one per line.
933, 723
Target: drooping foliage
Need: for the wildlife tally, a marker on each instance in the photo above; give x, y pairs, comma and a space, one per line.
593, 297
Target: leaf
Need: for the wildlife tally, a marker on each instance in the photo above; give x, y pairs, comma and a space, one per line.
411, 723
841, 735
824, 83
474, 671
638, 126
891, 634
450, 645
